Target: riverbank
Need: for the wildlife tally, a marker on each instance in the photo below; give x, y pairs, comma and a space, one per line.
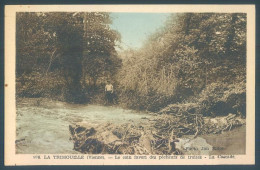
42, 126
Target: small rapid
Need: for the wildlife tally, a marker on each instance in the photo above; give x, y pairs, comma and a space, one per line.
44, 128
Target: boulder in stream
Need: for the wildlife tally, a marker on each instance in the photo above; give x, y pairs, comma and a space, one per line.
92, 138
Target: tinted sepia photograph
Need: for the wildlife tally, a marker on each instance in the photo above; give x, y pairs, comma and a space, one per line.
131, 83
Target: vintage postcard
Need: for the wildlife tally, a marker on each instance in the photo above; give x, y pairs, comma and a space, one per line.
129, 84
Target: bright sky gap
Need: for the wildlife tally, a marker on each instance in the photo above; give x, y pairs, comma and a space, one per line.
136, 27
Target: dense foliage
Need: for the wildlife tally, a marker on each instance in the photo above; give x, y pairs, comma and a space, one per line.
196, 57
61, 55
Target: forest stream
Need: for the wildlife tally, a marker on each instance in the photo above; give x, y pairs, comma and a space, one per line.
43, 126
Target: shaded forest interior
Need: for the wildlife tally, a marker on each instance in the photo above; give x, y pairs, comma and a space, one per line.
196, 59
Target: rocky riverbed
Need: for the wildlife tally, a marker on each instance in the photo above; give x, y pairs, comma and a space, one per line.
42, 126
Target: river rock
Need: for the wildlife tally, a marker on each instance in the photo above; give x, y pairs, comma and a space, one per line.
127, 138
196, 146
93, 138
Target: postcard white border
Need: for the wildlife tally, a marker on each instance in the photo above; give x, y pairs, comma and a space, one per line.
10, 108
